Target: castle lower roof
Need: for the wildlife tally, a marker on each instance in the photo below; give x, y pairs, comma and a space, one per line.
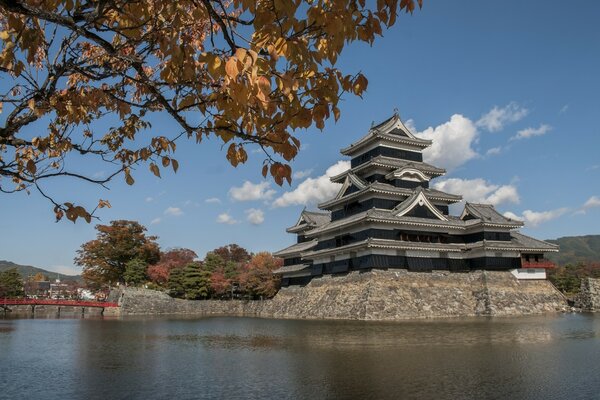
309, 220
293, 268
518, 242
385, 188
390, 163
386, 216
487, 213
296, 248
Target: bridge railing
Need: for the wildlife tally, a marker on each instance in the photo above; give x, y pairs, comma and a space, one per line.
54, 302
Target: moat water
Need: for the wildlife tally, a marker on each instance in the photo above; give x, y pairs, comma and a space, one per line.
551, 357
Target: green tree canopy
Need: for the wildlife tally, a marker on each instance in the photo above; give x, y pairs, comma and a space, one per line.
135, 272
175, 283
104, 259
196, 282
11, 284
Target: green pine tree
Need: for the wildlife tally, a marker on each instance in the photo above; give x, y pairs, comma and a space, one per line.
135, 272
11, 284
196, 282
175, 283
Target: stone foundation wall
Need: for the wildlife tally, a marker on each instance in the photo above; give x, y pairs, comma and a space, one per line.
374, 295
589, 296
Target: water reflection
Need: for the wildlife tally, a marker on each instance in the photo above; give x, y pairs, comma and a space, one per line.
550, 357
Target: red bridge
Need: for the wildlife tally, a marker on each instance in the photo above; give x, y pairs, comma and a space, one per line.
51, 302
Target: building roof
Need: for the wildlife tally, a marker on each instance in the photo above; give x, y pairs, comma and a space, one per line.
387, 216
391, 130
309, 220
391, 163
518, 242
385, 188
296, 248
418, 198
524, 242
487, 213
292, 268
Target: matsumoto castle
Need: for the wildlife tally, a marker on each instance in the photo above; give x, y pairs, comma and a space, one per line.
387, 216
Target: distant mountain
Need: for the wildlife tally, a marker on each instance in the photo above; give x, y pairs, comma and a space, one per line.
574, 249
27, 270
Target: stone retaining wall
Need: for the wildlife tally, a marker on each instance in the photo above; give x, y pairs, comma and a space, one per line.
589, 296
374, 295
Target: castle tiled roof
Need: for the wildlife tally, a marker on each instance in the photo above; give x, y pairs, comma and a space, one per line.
310, 220
292, 268
487, 213
391, 130
379, 187
296, 248
391, 163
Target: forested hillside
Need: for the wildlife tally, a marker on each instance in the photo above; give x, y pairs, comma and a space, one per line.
575, 249
28, 270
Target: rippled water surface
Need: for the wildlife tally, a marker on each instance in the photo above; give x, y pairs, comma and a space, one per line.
553, 357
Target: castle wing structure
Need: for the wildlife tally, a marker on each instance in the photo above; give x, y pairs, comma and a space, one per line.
386, 215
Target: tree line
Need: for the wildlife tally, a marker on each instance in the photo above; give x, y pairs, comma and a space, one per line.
123, 253
567, 278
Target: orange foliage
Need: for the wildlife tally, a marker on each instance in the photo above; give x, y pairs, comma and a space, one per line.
245, 71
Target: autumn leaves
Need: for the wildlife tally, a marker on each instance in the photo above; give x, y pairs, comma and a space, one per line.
248, 72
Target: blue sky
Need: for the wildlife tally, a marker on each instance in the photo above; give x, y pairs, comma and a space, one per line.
509, 90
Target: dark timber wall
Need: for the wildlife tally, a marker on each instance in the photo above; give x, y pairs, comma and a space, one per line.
387, 152
415, 264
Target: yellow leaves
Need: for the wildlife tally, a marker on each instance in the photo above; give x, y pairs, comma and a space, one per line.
336, 113
236, 154
231, 67
172, 55
214, 65
320, 113
128, 178
103, 203
279, 172
72, 212
31, 167
264, 85
187, 101
359, 85
155, 170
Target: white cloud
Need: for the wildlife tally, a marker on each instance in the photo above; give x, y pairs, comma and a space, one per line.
314, 190
564, 109
593, 201
99, 175
255, 216
252, 191
535, 218
149, 199
302, 174
495, 119
452, 142
173, 211
213, 200
530, 132
479, 190
493, 151
225, 218
155, 221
